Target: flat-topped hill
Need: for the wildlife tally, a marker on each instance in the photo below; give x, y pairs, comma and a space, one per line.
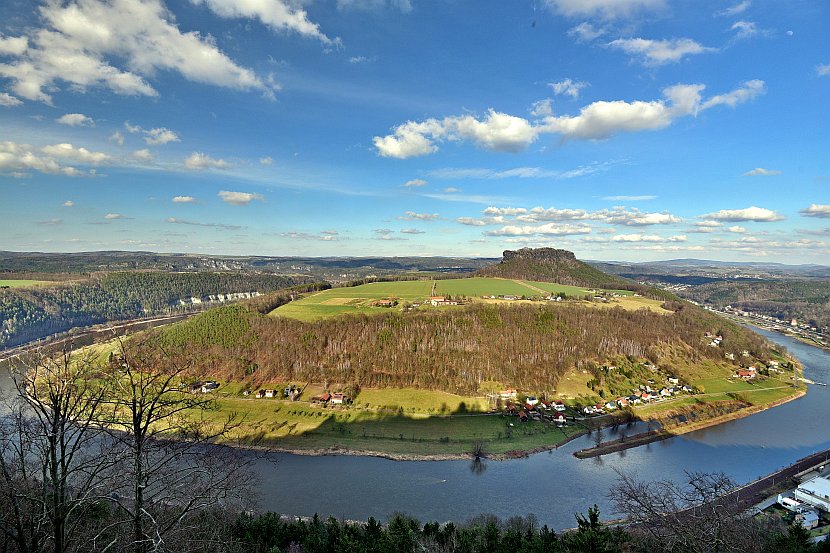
550, 265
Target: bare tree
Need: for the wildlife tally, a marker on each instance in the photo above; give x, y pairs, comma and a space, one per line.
52, 458
695, 517
171, 468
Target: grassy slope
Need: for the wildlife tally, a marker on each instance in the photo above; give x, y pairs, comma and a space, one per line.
23, 283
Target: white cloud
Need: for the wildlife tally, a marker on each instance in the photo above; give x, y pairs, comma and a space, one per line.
567, 87
637, 238
451, 190
659, 52
761, 172
629, 198
278, 15
823, 70
608, 9
614, 216
50, 222
132, 129
13, 45
412, 216
116, 45
542, 108
744, 29
78, 155
738, 8
538, 214
76, 120
199, 161
117, 137
8, 100
736, 229
267, 160
585, 32
184, 200
546, 229
68, 203
159, 136
412, 231
240, 198
114, 216
507, 133
414, 183
752, 213
404, 6
16, 159
817, 210
481, 222
222, 226
143, 155
634, 217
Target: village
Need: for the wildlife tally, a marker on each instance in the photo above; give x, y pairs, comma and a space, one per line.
808, 504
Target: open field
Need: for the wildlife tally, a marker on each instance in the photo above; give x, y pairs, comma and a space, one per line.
23, 283
361, 299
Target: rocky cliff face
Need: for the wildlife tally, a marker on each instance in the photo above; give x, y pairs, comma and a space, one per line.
550, 265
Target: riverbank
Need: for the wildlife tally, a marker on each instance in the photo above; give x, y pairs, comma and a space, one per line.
636, 440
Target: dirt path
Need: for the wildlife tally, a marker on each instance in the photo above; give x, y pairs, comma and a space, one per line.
535, 289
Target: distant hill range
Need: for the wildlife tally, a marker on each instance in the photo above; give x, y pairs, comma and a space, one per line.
550, 265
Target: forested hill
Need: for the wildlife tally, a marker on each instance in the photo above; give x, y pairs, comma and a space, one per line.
526, 346
551, 265
30, 313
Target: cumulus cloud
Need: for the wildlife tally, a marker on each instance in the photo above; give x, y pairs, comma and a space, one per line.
267, 160
646, 238
817, 210
222, 226
198, 161
240, 198
615, 216
76, 120
416, 183
752, 213
159, 136
412, 216
823, 70
324, 236
8, 100
386, 234
144, 155
278, 15
78, 155
634, 217
412, 231
451, 190
114, 45
114, 216
542, 108
659, 52
184, 200
598, 120
68, 203
567, 87
609, 9
761, 172
546, 229
736, 229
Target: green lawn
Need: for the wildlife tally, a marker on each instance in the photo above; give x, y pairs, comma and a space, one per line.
419, 401
23, 283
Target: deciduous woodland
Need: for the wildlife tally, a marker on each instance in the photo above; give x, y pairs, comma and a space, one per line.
527, 346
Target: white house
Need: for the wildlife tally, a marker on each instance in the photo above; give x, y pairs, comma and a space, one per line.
815, 492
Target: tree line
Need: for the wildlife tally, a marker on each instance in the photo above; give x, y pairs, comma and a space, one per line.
31, 313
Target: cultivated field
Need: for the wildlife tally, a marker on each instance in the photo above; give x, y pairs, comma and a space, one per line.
361, 299
22, 283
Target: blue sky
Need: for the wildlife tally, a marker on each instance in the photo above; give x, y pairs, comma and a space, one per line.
619, 129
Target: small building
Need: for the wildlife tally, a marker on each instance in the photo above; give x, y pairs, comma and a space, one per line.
523, 415
622, 402
745, 374
807, 519
559, 418
673, 380
532, 401
338, 399
558, 406
209, 386
611, 405
270, 393
509, 393
260, 394
815, 492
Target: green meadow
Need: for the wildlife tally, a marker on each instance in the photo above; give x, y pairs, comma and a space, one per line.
23, 283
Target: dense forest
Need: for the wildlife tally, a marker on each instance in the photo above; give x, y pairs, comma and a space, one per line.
31, 313
551, 265
525, 346
805, 300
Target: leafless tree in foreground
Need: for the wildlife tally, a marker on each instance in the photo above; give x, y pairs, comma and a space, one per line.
694, 517
52, 458
171, 470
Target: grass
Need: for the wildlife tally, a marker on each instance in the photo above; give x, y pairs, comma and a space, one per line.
23, 283
419, 401
361, 299
297, 425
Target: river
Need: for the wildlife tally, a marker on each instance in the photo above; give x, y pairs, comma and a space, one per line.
552, 485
